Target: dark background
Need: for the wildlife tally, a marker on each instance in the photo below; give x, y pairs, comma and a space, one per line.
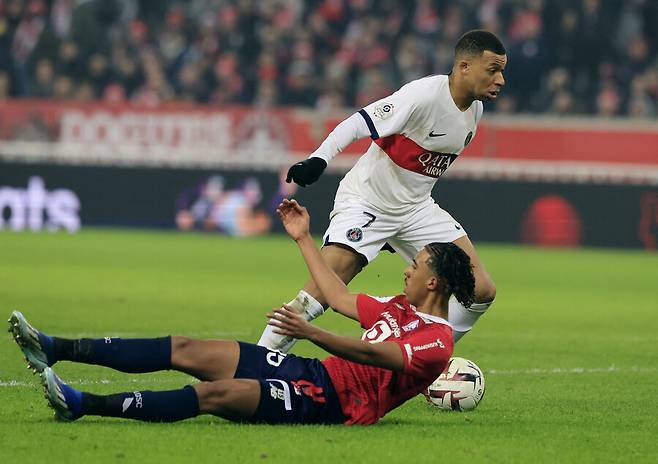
491, 211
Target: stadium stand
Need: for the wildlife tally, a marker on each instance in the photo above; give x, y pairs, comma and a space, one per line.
326, 54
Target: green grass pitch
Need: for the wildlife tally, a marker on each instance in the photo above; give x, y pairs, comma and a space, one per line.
569, 351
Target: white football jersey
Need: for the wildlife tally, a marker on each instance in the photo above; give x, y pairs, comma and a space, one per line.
417, 133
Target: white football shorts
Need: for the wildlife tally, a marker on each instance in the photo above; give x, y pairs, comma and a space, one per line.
367, 230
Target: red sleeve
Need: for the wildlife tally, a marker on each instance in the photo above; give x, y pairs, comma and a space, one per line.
427, 350
369, 309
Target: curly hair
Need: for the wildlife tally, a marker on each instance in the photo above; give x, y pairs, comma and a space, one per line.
451, 264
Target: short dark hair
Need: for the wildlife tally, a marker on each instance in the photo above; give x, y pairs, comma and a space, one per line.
475, 42
453, 266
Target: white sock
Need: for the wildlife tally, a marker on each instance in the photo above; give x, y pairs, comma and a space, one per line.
462, 318
305, 305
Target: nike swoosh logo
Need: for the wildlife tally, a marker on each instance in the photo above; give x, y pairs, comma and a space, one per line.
432, 134
126, 404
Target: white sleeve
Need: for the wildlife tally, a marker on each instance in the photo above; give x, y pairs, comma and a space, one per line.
392, 114
351, 129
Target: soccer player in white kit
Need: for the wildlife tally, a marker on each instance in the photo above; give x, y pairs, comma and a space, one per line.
385, 200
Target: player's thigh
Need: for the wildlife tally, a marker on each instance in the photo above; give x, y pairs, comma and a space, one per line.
205, 359
485, 288
344, 261
426, 224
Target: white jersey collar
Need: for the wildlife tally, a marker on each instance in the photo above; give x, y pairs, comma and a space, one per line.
436, 319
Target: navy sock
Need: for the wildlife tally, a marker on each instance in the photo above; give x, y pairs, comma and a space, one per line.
134, 355
47, 346
150, 406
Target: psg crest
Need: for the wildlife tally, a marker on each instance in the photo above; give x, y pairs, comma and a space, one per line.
354, 235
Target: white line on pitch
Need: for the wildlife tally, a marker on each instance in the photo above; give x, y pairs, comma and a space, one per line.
536, 371
570, 370
212, 333
36, 383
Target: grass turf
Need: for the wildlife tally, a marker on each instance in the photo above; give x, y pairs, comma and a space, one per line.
569, 352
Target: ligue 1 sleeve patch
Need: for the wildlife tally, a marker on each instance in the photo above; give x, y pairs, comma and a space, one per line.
383, 111
354, 235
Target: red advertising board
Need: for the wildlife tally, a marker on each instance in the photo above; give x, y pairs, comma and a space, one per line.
180, 133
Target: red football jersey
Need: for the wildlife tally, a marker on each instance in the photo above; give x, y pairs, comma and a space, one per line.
366, 393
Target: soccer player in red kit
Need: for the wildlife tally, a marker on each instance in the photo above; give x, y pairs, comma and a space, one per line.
384, 201
407, 344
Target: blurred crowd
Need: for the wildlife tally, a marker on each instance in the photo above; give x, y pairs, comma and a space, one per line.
565, 56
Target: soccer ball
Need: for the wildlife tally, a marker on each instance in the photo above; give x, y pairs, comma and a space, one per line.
459, 388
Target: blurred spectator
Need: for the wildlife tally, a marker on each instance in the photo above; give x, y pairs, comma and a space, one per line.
98, 73
266, 94
640, 104
229, 82
68, 60
44, 79
301, 76
84, 92
63, 88
563, 103
127, 72
629, 24
556, 93
373, 85
5, 88
527, 54
114, 93
411, 59
506, 104
30, 26
189, 83
650, 18
327, 53
61, 15
608, 100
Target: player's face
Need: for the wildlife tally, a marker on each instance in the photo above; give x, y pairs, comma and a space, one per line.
485, 75
417, 277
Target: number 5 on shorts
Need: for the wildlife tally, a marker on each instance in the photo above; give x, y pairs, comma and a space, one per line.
274, 358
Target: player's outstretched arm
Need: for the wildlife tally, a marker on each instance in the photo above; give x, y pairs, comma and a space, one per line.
296, 221
308, 171
386, 354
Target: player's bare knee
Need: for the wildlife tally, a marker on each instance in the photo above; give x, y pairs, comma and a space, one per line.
344, 261
213, 396
180, 344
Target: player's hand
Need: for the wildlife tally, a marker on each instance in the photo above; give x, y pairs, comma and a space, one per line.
306, 172
287, 322
295, 218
